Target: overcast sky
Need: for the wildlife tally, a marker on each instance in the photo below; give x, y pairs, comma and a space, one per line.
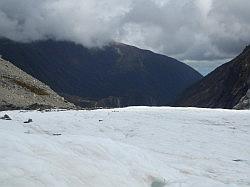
194, 31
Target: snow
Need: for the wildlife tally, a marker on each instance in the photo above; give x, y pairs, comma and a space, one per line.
129, 147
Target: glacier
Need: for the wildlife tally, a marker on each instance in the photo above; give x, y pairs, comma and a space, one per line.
126, 147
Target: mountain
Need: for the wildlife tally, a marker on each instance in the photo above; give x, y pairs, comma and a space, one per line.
21, 91
116, 75
226, 87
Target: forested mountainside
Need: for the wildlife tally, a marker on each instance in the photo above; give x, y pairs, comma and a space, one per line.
226, 87
113, 76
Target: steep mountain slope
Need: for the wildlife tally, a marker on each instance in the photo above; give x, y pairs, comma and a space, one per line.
19, 90
116, 75
223, 88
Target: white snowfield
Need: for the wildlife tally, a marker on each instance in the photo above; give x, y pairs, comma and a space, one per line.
130, 147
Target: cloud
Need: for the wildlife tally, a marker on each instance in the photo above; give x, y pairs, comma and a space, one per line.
185, 29
89, 22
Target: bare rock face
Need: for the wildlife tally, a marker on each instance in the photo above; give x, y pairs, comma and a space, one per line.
21, 91
245, 101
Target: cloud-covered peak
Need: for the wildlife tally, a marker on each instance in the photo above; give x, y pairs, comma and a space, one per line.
185, 29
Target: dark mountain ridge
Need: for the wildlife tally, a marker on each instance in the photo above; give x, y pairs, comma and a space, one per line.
116, 75
222, 88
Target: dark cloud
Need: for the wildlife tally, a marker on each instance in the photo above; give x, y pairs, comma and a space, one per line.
185, 29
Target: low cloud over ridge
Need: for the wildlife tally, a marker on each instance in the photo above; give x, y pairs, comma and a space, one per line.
185, 29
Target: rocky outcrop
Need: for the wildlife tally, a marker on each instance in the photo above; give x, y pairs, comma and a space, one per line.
116, 75
244, 102
21, 91
226, 87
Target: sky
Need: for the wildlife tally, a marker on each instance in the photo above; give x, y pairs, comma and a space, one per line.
202, 33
